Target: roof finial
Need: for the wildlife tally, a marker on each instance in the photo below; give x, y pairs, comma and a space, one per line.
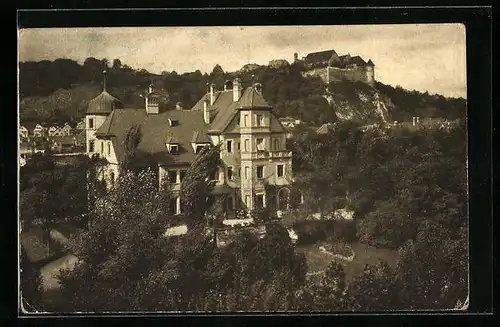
104, 72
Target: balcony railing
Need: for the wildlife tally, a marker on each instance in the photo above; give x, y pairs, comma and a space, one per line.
264, 154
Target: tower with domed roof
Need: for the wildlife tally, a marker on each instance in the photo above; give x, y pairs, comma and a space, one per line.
98, 110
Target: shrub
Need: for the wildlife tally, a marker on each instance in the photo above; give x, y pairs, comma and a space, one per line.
340, 248
312, 231
345, 230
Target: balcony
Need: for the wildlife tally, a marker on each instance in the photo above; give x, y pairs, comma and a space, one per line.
266, 154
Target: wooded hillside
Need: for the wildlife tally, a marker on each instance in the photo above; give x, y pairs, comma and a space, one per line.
58, 91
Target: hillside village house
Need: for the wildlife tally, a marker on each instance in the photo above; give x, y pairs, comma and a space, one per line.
52, 130
23, 132
253, 141
39, 131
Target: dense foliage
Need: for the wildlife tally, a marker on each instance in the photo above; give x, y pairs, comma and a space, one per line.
408, 190
128, 264
30, 284
58, 91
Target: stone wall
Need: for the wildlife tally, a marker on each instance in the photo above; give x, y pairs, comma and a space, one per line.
335, 74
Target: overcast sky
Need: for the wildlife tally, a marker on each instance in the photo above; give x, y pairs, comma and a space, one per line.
425, 57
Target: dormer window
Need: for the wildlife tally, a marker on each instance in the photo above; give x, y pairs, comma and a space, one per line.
173, 122
173, 148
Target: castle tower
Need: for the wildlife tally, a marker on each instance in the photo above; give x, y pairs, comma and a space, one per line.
97, 110
370, 72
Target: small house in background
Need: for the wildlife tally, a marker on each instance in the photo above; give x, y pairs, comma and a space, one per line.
289, 122
66, 130
52, 131
81, 125
325, 128
23, 132
39, 131
63, 143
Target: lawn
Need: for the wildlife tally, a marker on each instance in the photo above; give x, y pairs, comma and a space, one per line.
318, 261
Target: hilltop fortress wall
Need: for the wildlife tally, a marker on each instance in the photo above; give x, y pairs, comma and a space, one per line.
334, 74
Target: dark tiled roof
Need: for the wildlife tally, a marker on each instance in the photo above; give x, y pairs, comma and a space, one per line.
358, 61
104, 103
370, 63
249, 99
155, 130
320, 56
199, 137
252, 99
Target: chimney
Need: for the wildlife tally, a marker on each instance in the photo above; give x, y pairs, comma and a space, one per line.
178, 106
150, 88
418, 120
212, 94
414, 120
227, 85
236, 89
206, 112
295, 57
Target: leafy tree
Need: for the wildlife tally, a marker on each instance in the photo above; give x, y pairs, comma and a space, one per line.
376, 289
31, 284
130, 144
326, 294
117, 64
197, 184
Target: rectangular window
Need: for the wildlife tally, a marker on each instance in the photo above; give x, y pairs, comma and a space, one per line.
230, 173
109, 148
247, 122
280, 170
91, 146
247, 170
182, 174
260, 171
259, 199
172, 176
230, 204
199, 148
276, 144
260, 144
102, 146
247, 200
229, 146
174, 149
239, 146
91, 123
247, 143
259, 120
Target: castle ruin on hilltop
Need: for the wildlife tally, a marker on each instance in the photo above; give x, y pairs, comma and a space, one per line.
331, 67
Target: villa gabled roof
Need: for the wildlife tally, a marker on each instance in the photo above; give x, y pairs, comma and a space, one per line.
156, 132
250, 98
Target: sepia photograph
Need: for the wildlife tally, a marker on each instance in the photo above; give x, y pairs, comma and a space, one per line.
218, 169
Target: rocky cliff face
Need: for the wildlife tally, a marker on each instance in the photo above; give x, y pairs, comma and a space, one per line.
356, 101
